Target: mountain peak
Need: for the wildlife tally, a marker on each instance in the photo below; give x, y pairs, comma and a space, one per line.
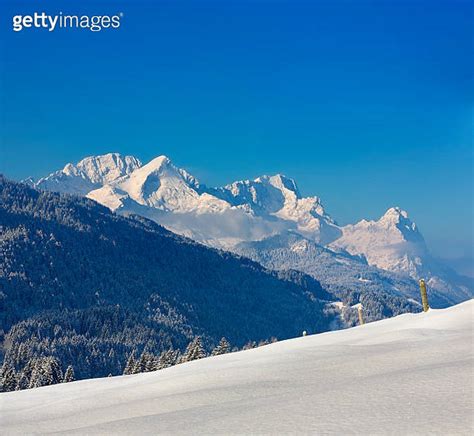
395, 214
104, 163
158, 184
279, 181
160, 161
162, 165
393, 243
89, 173
397, 217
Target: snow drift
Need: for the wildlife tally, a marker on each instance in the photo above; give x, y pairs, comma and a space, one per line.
412, 374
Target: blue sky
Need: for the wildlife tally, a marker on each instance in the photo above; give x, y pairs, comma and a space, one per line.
367, 104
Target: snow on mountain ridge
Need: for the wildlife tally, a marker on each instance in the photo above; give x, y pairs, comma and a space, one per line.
104, 168
245, 209
248, 210
160, 185
392, 243
278, 196
89, 173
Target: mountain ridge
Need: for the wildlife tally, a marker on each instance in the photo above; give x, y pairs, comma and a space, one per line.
88, 174
253, 210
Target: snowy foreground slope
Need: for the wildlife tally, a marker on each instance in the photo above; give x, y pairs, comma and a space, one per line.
412, 374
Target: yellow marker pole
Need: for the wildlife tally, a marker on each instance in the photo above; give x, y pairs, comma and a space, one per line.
361, 317
424, 296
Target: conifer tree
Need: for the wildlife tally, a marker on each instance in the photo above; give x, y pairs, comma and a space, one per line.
38, 378
130, 366
28, 368
23, 382
150, 364
69, 375
163, 360
175, 357
137, 368
222, 347
8, 378
168, 358
52, 370
140, 364
194, 350
249, 345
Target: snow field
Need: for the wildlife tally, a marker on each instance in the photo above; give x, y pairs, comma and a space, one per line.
412, 374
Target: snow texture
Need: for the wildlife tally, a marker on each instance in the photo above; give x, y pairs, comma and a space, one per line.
407, 375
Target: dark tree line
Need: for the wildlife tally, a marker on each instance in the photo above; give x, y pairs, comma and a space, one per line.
48, 370
195, 350
37, 372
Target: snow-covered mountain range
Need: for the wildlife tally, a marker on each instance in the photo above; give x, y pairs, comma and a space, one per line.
252, 211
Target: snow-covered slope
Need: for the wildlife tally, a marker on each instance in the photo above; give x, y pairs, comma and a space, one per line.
407, 375
252, 210
88, 174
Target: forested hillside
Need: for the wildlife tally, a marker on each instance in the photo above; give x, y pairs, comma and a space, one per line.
88, 287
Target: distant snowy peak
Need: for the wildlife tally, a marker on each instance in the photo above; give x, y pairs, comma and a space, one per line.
159, 185
282, 183
102, 169
394, 215
265, 194
259, 207
394, 226
398, 218
88, 174
162, 167
278, 196
392, 243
